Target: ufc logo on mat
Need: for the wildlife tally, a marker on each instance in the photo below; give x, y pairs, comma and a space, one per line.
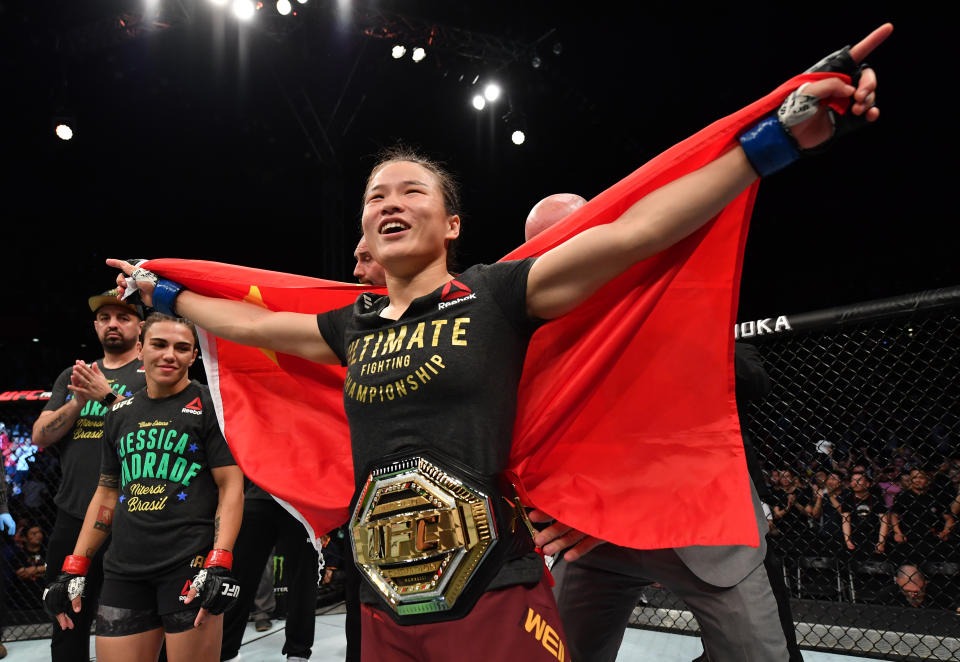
230, 590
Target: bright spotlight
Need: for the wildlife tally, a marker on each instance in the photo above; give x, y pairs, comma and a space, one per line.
284, 7
479, 102
302, 2
64, 132
491, 92
398, 51
518, 137
243, 9
418, 54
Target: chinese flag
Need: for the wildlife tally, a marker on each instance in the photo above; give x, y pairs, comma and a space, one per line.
627, 426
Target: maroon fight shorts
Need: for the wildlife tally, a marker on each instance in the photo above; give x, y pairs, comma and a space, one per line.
513, 623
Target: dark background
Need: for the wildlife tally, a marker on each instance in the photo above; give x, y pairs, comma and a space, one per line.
196, 136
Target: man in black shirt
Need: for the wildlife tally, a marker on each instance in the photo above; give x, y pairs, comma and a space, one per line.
789, 503
29, 566
920, 521
73, 420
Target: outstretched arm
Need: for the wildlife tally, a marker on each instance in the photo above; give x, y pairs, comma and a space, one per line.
566, 276
245, 323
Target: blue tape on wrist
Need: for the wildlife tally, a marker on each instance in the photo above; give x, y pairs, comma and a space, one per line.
165, 294
768, 147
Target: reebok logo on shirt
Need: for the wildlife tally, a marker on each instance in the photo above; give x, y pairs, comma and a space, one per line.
193, 407
453, 293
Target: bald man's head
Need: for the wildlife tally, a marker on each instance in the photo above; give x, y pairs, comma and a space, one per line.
550, 211
368, 271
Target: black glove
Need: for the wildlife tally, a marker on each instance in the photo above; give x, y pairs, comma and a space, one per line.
216, 589
840, 62
59, 594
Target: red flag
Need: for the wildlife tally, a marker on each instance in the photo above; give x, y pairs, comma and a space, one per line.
627, 426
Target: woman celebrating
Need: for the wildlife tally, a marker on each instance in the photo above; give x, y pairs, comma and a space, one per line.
432, 374
172, 495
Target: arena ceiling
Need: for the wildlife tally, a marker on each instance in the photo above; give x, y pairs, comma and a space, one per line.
198, 136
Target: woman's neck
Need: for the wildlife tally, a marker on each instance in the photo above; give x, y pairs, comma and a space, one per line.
402, 290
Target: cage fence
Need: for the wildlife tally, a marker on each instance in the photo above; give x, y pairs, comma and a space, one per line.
860, 444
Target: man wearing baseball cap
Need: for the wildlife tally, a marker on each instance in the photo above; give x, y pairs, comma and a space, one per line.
73, 420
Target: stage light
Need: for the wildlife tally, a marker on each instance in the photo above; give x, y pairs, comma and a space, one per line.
557, 48
398, 51
302, 2
284, 7
491, 92
418, 54
535, 62
518, 137
64, 132
36, 340
479, 102
243, 9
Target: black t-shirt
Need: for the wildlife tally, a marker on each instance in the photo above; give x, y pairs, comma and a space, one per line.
444, 376
864, 517
80, 446
23, 558
162, 450
794, 524
919, 513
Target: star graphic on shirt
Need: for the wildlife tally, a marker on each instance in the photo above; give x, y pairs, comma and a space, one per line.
122, 498
193, 448
182, 496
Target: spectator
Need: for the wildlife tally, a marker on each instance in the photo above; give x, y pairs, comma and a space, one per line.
889, 485
789, 505
826, 508
864, 518
29, 565
911, 590
920, 521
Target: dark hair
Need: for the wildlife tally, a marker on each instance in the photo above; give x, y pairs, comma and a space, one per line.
449, 186
160, 317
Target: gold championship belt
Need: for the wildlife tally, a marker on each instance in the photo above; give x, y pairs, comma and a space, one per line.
428, 539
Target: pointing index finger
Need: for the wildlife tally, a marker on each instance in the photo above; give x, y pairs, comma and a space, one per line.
864, 47
123, 265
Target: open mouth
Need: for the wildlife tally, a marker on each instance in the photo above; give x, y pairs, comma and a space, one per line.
392, 227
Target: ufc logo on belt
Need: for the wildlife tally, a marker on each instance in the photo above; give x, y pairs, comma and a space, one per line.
230, 590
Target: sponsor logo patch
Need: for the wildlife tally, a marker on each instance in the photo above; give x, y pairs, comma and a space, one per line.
193, 407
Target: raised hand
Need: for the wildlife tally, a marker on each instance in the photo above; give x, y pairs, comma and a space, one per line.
813, 129
145, 279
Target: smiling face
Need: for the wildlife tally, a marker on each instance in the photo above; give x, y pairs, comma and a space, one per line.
405, 220
168, 352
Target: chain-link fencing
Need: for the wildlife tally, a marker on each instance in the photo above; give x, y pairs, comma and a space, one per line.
860, 444
32, 476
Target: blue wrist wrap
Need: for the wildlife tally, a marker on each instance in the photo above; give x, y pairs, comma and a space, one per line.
165, 294
768, 147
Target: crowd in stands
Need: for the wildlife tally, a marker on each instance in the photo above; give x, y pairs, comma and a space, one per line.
889, 516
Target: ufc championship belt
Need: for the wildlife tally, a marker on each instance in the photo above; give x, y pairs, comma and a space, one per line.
428, 536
